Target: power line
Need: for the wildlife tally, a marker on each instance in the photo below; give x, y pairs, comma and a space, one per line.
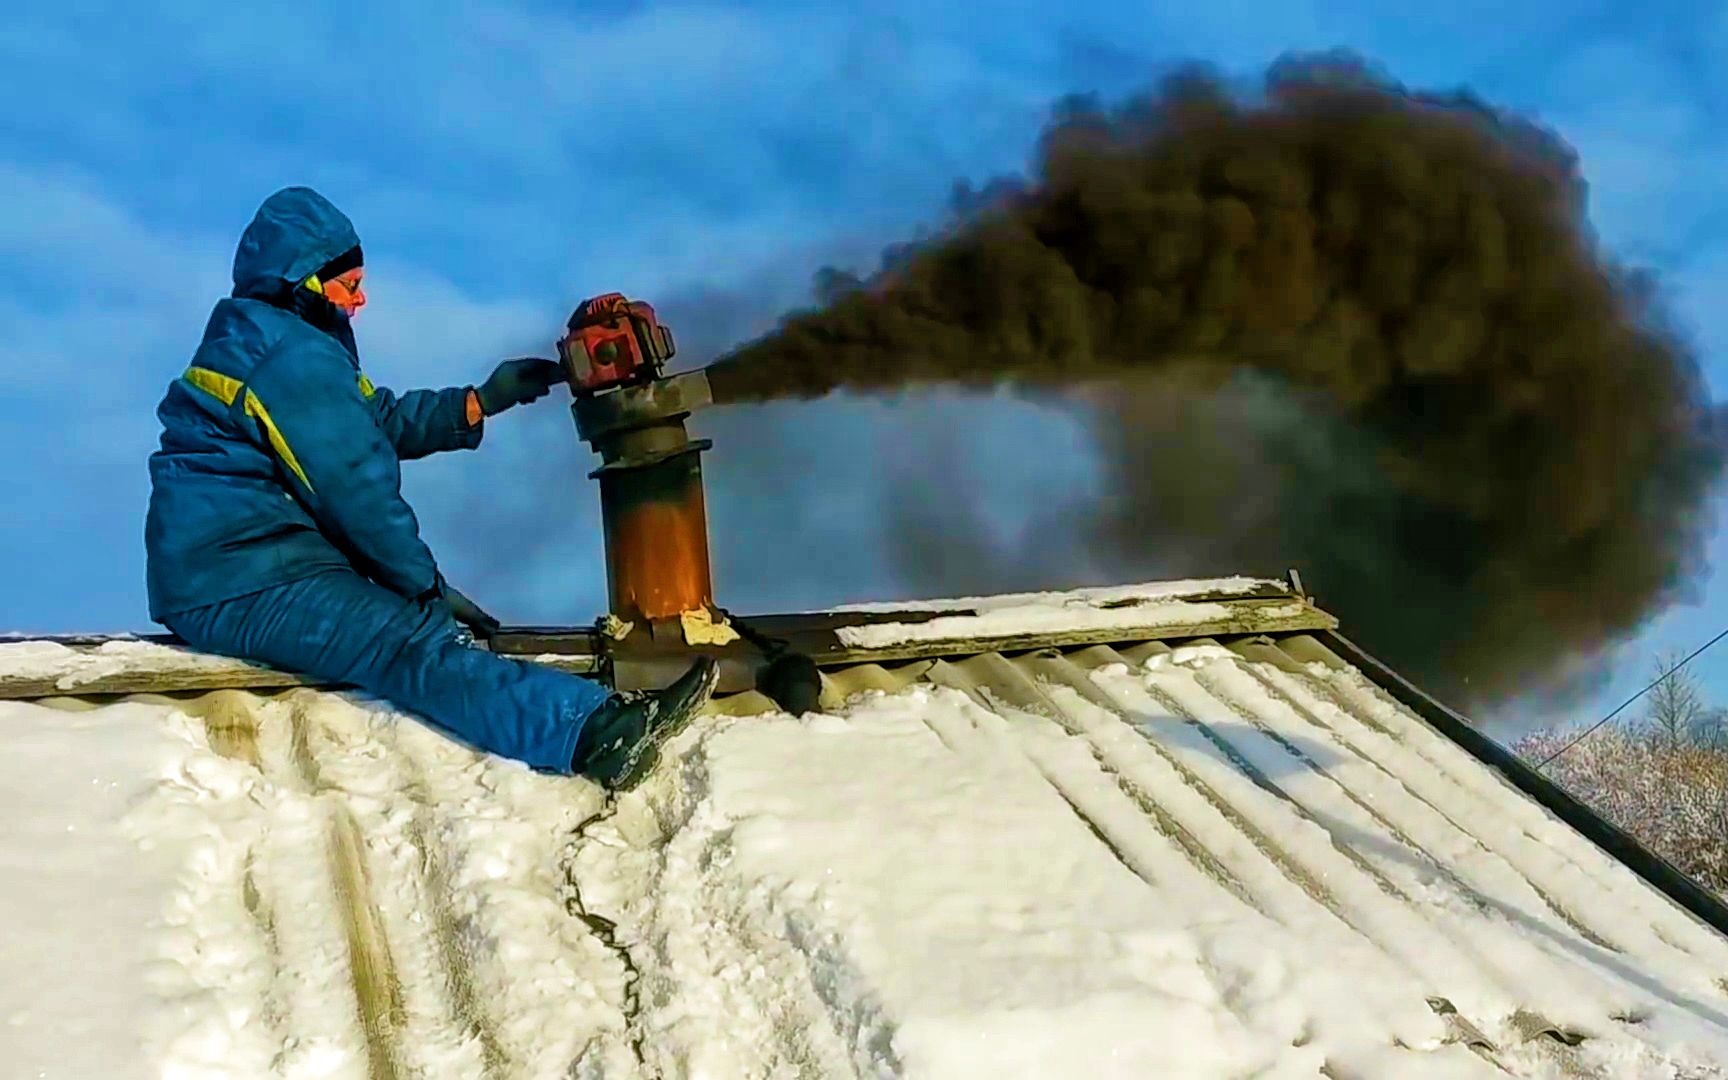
1696, 653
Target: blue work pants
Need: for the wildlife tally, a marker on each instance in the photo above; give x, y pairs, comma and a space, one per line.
340, 627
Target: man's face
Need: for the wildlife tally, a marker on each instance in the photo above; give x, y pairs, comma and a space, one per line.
345, 291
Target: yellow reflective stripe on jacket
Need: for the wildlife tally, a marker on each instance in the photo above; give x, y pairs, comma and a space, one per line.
366, 387
256, 410
224, 388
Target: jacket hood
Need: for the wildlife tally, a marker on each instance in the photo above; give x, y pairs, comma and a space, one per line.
295, 232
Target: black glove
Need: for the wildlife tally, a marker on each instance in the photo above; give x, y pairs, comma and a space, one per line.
517, 382
468, 613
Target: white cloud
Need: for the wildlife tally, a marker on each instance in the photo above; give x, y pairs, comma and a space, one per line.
57, 222
1648, 144
421, 330
102, 313
110, 309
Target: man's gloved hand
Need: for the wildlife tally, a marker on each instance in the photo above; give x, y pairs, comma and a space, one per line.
468, 613
517, 382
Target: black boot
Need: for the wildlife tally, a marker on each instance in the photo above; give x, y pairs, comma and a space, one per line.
620, 741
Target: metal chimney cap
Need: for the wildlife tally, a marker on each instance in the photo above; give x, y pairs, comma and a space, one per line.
641, 406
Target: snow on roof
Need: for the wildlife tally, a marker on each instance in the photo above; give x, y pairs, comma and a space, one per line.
1098, 597
1167, 605
1095, 863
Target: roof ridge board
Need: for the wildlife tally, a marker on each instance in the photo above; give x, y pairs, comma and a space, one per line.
1247, 622
89, 639
1262, 592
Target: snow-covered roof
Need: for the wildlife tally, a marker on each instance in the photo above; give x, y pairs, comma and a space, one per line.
101, 664
1091, 862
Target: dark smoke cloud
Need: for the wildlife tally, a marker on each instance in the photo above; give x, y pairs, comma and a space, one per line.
1334, 325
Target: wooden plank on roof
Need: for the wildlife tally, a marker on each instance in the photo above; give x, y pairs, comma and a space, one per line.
579, 650
194, 677
89, 639
803, 622
156, 681
1244, 617
818, 635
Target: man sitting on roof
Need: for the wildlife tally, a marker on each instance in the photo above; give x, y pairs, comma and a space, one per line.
277, 531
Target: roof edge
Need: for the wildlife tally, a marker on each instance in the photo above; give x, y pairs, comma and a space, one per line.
1614, 841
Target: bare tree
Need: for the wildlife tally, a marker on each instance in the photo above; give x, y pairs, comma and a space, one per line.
1676, 713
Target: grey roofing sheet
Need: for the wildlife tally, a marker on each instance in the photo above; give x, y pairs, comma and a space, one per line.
1266, 778
1301, 789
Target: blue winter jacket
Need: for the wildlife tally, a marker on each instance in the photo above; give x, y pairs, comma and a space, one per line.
279, 458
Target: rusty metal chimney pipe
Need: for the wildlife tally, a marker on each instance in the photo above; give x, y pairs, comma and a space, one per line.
651, 496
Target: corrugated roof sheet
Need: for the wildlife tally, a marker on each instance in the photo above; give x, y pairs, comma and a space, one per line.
1303, 790
1267, 776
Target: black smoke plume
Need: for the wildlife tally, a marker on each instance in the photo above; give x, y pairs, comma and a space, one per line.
1331, 324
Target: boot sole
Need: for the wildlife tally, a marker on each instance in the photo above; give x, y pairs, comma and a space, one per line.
650, 752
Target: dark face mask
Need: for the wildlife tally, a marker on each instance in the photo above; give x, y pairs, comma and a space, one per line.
324, 315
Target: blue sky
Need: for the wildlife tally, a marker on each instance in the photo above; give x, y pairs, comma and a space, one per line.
502, 161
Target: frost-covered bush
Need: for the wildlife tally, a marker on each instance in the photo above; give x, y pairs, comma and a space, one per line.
1672, 795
